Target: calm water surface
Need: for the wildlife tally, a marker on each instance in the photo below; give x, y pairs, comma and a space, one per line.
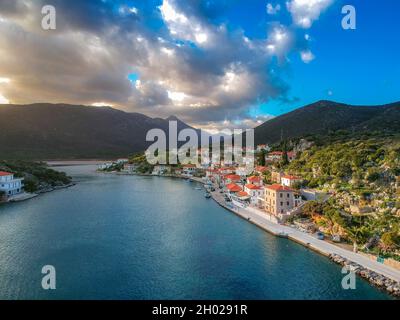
125, 237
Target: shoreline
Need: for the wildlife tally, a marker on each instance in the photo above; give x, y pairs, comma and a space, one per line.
379, 275
28, 196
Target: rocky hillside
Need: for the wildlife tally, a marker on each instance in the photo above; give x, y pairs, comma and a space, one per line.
325, 116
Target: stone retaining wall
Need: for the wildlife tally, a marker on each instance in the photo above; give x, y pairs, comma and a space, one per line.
389, 262
378, 280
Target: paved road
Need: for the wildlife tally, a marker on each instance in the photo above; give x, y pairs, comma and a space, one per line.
259, 218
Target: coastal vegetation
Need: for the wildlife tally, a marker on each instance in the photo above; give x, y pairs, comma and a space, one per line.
362, 175
37, 175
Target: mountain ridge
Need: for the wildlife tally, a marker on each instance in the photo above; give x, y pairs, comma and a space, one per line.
324, 116
64, 131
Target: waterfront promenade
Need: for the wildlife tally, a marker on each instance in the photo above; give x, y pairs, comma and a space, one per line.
259, 218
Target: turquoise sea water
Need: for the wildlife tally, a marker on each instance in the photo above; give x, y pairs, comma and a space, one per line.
126, 237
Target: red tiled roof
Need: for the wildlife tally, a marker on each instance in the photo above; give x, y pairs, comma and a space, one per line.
189, 166
261, 168
234, 177
3, 174
252, 187
254, 179
233, 187
275, 153
291, 177
278, 187
242, 194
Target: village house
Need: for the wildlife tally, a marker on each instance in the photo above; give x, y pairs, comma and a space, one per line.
274, 156
289, 180
278, 156
260, 170
231, 178
9, 185
280, 200
161, 169
241, 199
177, 171
256, 180
189, 169
254, 191
129, 168
233, 188
276, 176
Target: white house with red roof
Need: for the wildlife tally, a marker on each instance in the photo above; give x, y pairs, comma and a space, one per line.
189, 169
289, 180
233, 188
278, 155
10, 185
231, 178
255, 192
274, 156
256, 180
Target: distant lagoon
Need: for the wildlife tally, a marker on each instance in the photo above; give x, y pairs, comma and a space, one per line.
131, 237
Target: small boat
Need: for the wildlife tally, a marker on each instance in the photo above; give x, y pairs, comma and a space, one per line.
207, 195
198, 188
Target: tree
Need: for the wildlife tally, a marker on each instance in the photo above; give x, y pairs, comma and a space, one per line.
389, 241
285, 158
312, 208
261, 157
357, 234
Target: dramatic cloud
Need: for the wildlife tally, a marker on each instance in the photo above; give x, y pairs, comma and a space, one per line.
305, 12
175, 58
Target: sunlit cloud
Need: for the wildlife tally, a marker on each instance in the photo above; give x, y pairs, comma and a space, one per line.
305, 12
4, 80
201, 37
102, 104
3, 99
201, 70
176, 96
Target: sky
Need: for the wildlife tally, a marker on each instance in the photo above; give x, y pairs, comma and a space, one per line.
214, 63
